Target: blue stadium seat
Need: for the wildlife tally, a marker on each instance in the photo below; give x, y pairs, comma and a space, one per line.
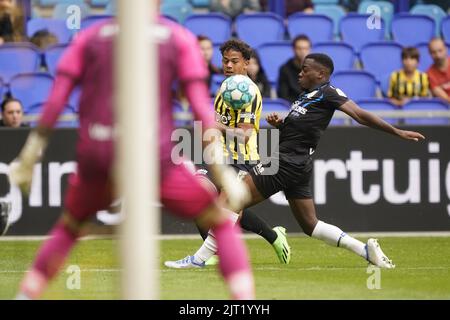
31, 88
47, 3
445, 28
355, 84
342, 54
385, 10
317, 27
111, 7
56, 26
337, 121
216, 82
433, 11
354, 30
178, 109
377, 104
217, 55
259, 28
2, 89
426, 104
74, 99
273, 105
18, 58
99, 3
66, 9
403, 23
425, 59
200, 3
215, 26
179, 11
37, 108
387, 52
89, 21
52, 3
170, 18
273, 56
335, 12
52, 56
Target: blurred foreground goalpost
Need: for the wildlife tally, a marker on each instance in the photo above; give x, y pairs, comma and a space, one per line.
137, 150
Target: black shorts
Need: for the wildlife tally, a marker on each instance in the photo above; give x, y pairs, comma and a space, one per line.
292, 179
241, 170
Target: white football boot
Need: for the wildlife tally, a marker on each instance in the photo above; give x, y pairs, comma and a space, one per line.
376, 256
186, 263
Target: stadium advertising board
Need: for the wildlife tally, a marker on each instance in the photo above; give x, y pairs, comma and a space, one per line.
363, 181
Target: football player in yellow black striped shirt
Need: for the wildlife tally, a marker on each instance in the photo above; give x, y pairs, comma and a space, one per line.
236, 56
245, 119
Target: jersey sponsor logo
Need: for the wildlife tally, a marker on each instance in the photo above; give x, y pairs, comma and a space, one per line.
312, 94
250, 116
100, 132
258, 169
298, 109
224, 118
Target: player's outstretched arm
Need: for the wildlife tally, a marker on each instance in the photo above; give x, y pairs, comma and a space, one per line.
373, 121
21, 171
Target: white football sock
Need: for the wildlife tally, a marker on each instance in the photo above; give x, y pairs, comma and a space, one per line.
336, 237
207, 250
209, 246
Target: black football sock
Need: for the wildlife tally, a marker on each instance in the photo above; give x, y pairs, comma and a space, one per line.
203, 232
251, 222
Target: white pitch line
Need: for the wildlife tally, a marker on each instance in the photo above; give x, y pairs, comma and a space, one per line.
259, 268
245, 236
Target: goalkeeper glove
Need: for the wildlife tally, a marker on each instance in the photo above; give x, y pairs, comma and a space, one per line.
21, 169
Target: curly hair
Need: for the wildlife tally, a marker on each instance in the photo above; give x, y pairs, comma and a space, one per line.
239, 46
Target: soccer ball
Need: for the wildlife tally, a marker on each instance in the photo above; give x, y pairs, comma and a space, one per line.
238, 91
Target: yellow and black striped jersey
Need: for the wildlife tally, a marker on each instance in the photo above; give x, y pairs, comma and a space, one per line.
401, 86
231, 118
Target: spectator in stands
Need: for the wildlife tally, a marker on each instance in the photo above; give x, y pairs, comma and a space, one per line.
234, 8
12, 114
408, 82
11, 22
439, 72
350, 5
292, 6
207, 49
256, 72
288, 87
43, 39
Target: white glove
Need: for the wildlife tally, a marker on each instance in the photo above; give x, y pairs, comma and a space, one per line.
237, 191
21, 169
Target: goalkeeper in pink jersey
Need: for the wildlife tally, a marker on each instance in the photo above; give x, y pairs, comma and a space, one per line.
88, 63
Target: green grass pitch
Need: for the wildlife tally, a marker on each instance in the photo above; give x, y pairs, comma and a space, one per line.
317, 271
